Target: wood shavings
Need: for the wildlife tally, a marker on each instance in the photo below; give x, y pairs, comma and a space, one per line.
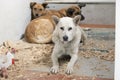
30, 55
98, 48
109, 56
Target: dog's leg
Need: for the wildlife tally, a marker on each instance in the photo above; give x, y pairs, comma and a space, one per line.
83, 36
55, 67
70, 65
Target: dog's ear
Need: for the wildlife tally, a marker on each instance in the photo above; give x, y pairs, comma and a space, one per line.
77, 19
81, 5
32, 4
55, 18
44, 5
82, 17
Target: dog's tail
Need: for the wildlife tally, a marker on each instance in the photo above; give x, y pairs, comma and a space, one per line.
41, 39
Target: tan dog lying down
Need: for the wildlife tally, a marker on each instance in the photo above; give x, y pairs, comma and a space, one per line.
40, 29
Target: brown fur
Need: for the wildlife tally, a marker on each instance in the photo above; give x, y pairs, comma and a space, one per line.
59, 13
40, 30
73, 11
37, 9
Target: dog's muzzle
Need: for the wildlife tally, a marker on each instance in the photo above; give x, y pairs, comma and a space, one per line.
65, 38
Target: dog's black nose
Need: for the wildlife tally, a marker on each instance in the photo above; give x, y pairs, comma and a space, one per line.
65, 38
37, 15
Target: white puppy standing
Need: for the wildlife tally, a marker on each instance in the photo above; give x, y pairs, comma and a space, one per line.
66, 36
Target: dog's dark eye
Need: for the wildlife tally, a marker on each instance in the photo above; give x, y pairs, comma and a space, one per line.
61, 28
69, 28
40, 9
35, 8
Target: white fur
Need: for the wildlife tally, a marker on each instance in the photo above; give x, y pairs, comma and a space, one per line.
69, 47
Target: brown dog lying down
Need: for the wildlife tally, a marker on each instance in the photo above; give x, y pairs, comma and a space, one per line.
40, 29
38, 9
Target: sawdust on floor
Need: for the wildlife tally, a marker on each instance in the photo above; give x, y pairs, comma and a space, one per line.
30, 55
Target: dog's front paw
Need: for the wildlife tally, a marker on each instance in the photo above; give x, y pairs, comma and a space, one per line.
69, 70
54, 69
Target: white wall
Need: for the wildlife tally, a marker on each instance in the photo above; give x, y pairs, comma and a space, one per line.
117, 41
94, 13
99, 14
14, 16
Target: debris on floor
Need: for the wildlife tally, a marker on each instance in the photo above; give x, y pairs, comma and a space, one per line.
46, 76
31, 56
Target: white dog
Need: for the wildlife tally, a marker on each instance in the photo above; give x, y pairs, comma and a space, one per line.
66, 36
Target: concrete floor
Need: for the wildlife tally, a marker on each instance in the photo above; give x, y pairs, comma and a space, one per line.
93, 66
